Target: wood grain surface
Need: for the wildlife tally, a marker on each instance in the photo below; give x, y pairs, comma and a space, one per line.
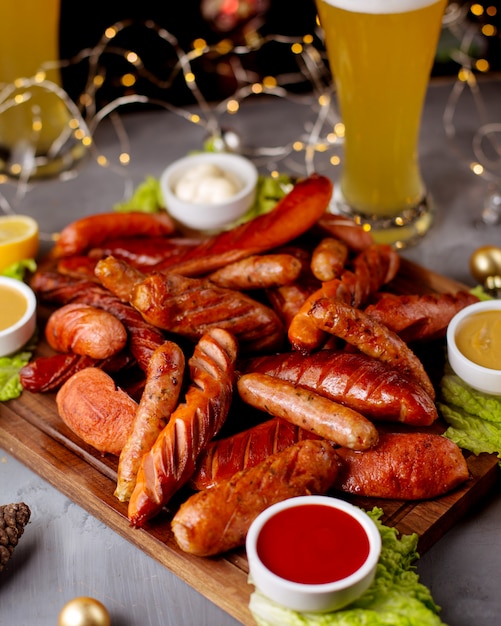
31, 430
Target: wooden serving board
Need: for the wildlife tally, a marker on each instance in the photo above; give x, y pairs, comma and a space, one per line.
31, 430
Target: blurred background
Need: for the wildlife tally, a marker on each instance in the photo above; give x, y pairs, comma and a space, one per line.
249, 38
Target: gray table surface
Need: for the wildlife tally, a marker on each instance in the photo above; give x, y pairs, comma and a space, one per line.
65, 552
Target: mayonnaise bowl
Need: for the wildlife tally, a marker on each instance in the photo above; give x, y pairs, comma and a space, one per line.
17, 314
209, 190
471, 338
313, 553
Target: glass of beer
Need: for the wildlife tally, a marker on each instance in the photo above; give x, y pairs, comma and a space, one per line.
381, 53
35, 135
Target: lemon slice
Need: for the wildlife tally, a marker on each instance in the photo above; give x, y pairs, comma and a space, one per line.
19, 239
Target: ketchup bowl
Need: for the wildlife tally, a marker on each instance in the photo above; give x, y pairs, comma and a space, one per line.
473, 346
313, 553
17, 314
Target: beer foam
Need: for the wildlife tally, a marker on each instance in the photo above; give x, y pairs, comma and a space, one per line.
380, 6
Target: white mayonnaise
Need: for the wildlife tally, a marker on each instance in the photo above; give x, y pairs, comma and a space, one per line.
206, 184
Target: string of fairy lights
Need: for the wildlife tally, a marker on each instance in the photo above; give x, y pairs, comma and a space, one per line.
320, 140
486, 143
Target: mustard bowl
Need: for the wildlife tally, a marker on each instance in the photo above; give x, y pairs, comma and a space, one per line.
474, 346
17, 314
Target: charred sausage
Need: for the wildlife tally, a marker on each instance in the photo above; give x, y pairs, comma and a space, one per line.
403, 466
370, 337
293, 215
225, 457
357, 380
172, 459
217, 520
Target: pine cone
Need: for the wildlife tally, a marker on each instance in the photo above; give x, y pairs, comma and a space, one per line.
13, 519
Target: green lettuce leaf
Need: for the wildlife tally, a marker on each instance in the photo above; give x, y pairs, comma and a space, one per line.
10, 365
455, 392
473, 417
470, 432
10, 385
147, 197
18, 270
395, 598
269, 190
480, 292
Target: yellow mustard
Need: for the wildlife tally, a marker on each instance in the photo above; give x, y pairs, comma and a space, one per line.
479, 338
13, 306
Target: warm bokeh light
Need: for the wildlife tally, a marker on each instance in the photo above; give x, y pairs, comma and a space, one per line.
236, 62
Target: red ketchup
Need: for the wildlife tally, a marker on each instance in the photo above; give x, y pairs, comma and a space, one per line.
313, 544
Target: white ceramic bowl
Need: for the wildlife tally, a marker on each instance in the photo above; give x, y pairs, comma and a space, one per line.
348, 538
22, 326
480, 378
213, 215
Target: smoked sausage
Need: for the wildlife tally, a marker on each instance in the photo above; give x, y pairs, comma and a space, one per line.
292, 216
403, 466
93, 230
164, 378
172, 459
85, 330
224, 457
217, 520
370, 337
309, 410
354, 379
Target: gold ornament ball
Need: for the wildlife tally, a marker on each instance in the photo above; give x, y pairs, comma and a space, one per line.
84, 611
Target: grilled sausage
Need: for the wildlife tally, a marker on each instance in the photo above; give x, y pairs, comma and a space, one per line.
85, 330
172, 459
292, 216
159, 399
370, 337
118, 276
96, 410
347, 230
328, 259
258, 271
403, 466
419, 317
54, 288
372, 268
357, 380
307, 409
217, 520
144, 252
91, 231
225, 457
191, 306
